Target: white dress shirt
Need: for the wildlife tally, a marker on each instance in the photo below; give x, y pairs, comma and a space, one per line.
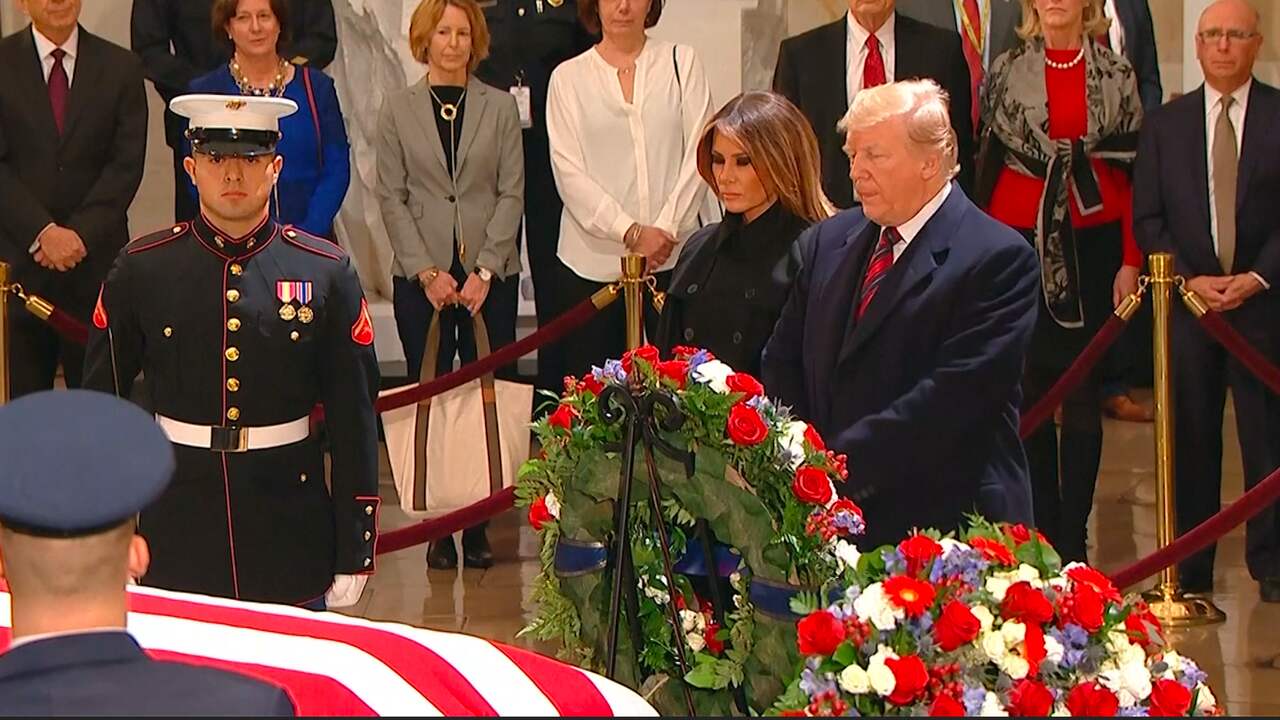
45, 48
1115, 33
618, 163
908, 230
856, 53
1237, 113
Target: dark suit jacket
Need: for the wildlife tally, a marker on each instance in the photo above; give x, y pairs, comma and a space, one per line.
811, 73
1140, 50
1171, 199
107, 673
1005, 16
85, 179
176, 42
923, 392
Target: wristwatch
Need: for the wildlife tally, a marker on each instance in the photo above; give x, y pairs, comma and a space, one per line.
484, 273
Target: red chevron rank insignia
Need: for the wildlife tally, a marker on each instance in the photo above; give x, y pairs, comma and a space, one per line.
362, 330
100, 312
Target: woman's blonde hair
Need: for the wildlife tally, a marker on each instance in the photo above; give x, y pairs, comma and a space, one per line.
425, 19
782, 148
1095, 20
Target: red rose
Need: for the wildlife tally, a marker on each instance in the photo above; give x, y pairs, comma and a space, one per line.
1169, 699
994, 551
1085, 575
591, 384
1085, 608
946, 706
1033, 648
815, 440
684, 352
919, 550
843, 505
911, 679
819, 633
563, 417
912, 595
1026, 605
1144, 627
1029, 698
715, 646
956, 627
1021, 534
1092, 700
745, 426
647, 353
539, 515
812, 486
677, 371
744, 383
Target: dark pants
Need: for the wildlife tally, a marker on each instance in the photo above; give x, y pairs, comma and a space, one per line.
542, 232
1064, 465
604, 337
36, 350
1202, 372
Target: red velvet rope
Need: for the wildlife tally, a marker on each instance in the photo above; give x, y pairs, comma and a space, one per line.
1042, 410
1251, 503
68, 326
446, 525
1249, 356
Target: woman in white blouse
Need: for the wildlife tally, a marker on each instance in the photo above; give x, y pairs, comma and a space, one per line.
624, 119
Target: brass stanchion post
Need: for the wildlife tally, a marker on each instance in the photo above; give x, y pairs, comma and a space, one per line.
1167, 600
4, 333
632, 295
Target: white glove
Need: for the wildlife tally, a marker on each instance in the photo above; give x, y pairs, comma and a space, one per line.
345, 590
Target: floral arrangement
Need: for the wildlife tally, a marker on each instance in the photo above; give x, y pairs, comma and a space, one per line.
989, 624
759, 481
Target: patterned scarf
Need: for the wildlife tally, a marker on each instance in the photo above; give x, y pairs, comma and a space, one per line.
1016, 109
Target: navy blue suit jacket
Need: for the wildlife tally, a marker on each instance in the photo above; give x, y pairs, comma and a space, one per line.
923, 392
1140, 49
107, 673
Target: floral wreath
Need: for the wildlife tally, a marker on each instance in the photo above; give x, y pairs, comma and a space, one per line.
760, 481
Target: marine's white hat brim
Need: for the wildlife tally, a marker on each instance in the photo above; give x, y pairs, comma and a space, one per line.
233, 112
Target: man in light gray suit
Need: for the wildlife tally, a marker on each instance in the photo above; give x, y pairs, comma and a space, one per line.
987, 29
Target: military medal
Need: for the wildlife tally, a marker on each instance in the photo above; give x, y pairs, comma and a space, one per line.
305, 314
287, 313
289, 290
555, 3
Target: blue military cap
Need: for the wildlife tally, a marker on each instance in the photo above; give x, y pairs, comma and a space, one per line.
75, 462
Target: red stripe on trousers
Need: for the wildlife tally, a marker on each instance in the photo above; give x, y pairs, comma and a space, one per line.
437, 680
567, 687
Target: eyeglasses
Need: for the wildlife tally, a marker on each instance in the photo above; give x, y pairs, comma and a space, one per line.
1213, 35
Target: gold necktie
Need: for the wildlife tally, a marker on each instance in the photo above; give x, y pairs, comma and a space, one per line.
1226, 159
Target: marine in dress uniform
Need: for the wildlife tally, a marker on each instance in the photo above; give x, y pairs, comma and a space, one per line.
529, 38
78, 467
238, 338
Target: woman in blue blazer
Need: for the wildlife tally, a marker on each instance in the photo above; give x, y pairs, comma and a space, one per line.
317, 166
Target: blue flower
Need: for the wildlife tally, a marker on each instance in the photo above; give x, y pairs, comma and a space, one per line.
1192, 675
967, 565
973, 699
1135, 711
613, 371
698, 358
849, 522
1073, 640
852, 593
814, 684
894, 563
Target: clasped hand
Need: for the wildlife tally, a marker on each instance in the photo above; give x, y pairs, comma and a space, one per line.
60, 249
1225, 292
443, 290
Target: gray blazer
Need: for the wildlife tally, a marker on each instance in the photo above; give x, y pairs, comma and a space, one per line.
418, 201
1005, 17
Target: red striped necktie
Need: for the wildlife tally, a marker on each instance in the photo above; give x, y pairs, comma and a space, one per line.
877, 269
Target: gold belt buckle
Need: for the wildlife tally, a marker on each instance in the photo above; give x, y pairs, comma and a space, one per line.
230, 439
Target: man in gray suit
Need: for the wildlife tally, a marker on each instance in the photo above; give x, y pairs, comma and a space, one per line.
987, 29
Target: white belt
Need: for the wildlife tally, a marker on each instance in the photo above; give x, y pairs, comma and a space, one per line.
235, 439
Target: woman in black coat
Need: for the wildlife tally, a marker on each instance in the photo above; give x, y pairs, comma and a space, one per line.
760, 157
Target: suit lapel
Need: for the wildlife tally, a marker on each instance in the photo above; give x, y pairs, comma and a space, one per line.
31, 74
1198, 149
906, 49
835, 92
83, 83
1259, 115
917, 263
424, 113
477, 105
845, 279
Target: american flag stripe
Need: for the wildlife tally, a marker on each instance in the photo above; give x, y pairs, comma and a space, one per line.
337, 665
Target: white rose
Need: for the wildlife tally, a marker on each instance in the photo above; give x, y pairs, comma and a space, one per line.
991, 706
881, 677
1133, 655
847, 553
1053, 649
1059, 583
553, 505
993, 645
855, 680
792, 442
1131, 683
1014, 632
1205, 701
1030, 575
873, 607
984, 616
1173, 660
715, 374
1015, 666
950, 545
998, 586
688, 620
696, 642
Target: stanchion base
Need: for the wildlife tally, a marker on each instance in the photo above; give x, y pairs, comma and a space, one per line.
1179, 610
